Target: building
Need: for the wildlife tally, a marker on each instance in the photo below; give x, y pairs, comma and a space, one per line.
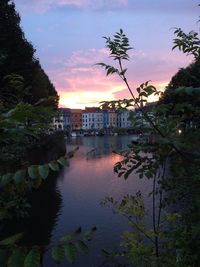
92, 119
123, 119
57, 122
148, 109
105, 119
76, 119
112, 119
66, 118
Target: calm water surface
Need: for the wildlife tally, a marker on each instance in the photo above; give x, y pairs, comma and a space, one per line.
83, 185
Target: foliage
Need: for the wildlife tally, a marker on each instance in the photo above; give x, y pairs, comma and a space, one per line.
27, 103
188, 76
12, 254
185, 77
167, 157
17, 57
188, 43
21, 127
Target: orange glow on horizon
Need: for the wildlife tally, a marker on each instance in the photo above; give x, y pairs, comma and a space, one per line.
81, 99
160, 87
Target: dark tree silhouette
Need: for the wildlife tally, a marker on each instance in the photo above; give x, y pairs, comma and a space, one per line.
17, 56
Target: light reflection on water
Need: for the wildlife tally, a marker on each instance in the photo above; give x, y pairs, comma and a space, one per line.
84, 184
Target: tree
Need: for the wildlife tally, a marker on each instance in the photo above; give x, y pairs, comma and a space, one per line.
185, 77
17, 57
171, 161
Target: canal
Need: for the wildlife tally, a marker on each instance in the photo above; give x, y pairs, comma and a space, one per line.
82, 186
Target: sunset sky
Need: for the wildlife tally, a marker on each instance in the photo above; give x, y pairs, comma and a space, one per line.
67, 35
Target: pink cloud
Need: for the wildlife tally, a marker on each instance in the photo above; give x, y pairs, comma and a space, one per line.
78, 80
79, 73
88, 57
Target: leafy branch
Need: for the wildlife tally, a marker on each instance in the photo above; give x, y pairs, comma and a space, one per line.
188, 43
69, 245
119, 47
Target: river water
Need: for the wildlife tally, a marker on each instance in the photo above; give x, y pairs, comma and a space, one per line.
82, 186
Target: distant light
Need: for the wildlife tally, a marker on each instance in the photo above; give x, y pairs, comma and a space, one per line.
179, 131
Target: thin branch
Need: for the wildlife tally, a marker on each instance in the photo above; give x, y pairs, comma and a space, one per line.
160, 199
154, 218
138, 228
123, 77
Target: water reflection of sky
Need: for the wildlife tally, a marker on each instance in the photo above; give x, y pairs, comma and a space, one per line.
84, 184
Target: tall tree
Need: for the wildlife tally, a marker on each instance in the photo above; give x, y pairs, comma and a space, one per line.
17, 56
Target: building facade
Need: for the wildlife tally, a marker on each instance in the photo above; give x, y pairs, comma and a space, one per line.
112, 119
57, 122
76, 119
123, 119
92, 119
65, 114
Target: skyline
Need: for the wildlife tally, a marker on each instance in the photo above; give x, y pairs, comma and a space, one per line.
67, 35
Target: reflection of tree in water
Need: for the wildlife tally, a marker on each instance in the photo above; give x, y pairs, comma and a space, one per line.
45, 205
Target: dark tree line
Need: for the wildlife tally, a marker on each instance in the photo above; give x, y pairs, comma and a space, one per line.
188, 77
17, 57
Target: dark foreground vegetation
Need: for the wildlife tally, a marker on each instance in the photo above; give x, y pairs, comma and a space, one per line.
171, 160
28, 101
29, 152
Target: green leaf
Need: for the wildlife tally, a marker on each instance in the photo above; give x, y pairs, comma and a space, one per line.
54, 166
17, 258
88, 234
5, 179
32, 259
4, 254
33, 172
70, 236
70, 252
58, 253
43, 171
81, 246
11, 240
66, 238
105, 253
19, 176
63, 161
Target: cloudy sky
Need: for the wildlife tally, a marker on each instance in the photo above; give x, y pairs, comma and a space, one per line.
67, 35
